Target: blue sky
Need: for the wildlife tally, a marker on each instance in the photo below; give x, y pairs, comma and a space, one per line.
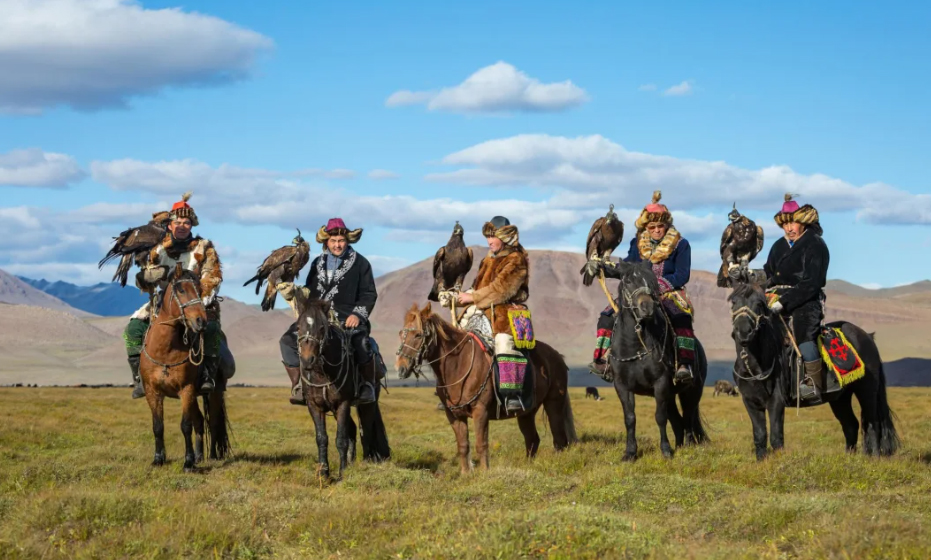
275, 119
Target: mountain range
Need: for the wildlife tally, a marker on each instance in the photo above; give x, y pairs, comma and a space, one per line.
76, 339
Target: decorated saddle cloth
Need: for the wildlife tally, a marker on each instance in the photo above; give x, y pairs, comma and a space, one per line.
514, 377
521, 328
840, 356
677, 302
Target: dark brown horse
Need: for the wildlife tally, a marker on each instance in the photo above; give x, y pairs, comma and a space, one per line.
466, 385
328, 380
172, 352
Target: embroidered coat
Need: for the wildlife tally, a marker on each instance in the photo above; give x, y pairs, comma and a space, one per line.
803, 266
198, 256
502, 279
672, 258
352, 288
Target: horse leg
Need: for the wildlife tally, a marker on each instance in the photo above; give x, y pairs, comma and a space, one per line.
342, 435
528, 427
461, 429
678, 425
869, 416
323, 460
662, 418
626, 397
843, 411
480, 422
555, 408
156, 405
777, 422
188, 418
198, 431
758, 420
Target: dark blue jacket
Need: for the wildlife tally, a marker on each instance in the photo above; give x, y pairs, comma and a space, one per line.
677, 268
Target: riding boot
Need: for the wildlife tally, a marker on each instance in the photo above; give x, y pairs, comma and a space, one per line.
683, 373
297, 390
813, 384
208, 375
366, 388
602, 369
138, 390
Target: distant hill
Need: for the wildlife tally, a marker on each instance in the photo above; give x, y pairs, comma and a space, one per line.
15, 291
103, 299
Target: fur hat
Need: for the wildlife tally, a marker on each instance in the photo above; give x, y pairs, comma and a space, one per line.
654, 212
182, 209
501, 227
336, 226
792, 212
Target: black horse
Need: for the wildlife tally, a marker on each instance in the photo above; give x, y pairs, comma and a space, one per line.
328, 381
643, 359
767, 368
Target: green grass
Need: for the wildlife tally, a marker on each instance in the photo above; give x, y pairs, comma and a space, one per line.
75, 482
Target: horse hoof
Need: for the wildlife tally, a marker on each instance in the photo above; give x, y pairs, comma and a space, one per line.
198, 459
158, 461
629, 457
190, 469
667, 453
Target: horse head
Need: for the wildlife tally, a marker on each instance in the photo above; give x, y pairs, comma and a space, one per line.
182, 301
417, 336
638, 290
748, 309
313, 329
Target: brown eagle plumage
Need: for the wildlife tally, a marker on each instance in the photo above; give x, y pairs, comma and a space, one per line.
604, 237
741, 242
283, 265
451, 264
133, 245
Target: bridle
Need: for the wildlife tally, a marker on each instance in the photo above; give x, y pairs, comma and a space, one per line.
627, 303
195, 356
345, 363
755, 320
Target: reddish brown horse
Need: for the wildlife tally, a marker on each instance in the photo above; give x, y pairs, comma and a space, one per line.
465, 383
172, 351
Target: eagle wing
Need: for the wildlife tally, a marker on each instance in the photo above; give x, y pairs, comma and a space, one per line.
727, 237
759, 240
132, 245
438, 284
595, 236
611, 234
276, 260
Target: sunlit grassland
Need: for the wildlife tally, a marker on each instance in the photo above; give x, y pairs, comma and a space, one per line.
75, 481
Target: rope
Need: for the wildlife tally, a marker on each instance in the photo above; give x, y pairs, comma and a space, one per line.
604, 286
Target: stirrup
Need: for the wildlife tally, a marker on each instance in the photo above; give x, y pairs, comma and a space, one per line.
297, 395
807, 390
138, 390
207, 386
602, 370
684, 374
366, 393
514, 404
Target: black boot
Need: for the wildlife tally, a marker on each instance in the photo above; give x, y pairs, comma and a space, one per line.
684, 373
208, 375
602, 369
138, 390
366, 388
813, 384
297, 389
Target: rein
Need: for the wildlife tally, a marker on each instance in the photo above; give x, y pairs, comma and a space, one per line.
345, 363
638, 328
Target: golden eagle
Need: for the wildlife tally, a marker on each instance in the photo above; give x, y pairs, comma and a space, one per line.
604, 237
451, 264
283, 265
134, 244
740, 243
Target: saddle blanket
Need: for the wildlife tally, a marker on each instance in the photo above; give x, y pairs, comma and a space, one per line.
512, 370
840, 356
521, 328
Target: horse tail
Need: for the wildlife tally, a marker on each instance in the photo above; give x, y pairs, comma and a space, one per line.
218, 424
889, 441
569, 421
374, 436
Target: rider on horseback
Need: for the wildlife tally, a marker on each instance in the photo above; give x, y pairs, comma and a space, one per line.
501, 282
343, 277
660, 243
796, 271
197, 255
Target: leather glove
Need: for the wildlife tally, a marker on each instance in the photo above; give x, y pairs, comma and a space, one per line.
593, 267
286, 289
445, 298
776, 307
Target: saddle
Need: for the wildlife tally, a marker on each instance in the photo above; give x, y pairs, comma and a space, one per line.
511, 380
840, 357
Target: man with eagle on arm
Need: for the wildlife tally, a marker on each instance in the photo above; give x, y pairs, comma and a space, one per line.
157, 252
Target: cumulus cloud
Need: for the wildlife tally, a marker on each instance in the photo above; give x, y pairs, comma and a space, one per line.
493, 89
35, 168
595, 171
683, 88
90, 54
381, 174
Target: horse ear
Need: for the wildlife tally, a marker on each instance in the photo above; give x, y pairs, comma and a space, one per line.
427, 310
178, 270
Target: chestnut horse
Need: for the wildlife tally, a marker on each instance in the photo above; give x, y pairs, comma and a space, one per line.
172, 351
466, 385
328, 381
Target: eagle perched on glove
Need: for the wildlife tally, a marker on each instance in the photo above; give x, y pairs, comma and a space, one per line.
134, 244
283, 265
451, 264
603, 239
741, 242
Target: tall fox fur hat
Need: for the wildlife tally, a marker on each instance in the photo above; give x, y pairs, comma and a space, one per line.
336, 226
792, 212
501, 227
654, 212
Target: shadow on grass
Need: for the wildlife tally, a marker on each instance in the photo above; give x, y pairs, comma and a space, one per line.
925, 457
614, 439
282, 459
427, 460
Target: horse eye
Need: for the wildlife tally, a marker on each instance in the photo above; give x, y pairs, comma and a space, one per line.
417, 335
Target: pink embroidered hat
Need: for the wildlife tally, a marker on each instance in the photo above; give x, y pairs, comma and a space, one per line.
336, 226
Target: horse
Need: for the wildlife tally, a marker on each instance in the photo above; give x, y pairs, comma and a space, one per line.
766, 368
724, 387
465, 382
173, 350
328, 382
643, 358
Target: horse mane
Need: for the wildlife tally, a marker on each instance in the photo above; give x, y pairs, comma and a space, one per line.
643, 273
751, 293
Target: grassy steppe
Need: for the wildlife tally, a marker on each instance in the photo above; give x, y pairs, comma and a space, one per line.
75, 482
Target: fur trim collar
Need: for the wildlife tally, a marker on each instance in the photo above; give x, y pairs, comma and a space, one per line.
662, 251
352, 236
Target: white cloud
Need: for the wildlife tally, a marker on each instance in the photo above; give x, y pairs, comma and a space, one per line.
90, 54
683, 88
381, 174
497, 88
35, 168
647, 87
595, 171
